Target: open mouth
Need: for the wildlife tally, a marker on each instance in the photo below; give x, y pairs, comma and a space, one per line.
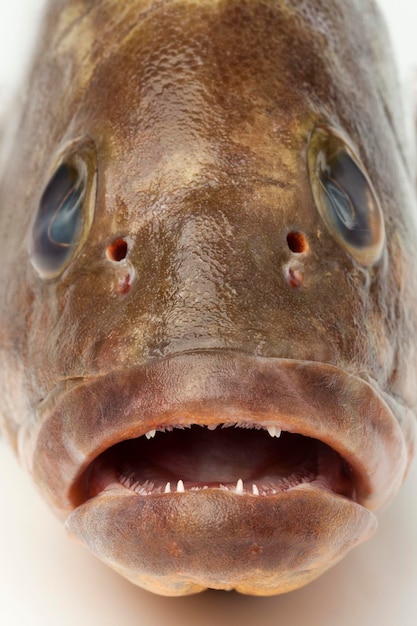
252, 473
250, 425
241, 458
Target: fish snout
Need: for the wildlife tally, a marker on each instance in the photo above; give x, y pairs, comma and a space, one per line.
230, 270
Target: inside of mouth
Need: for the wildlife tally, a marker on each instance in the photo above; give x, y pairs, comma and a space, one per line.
241, 459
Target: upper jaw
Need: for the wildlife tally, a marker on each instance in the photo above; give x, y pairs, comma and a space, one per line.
310, 398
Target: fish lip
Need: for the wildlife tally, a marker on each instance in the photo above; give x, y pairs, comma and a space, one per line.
310, 398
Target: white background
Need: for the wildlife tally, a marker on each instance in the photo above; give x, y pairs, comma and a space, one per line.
46, 580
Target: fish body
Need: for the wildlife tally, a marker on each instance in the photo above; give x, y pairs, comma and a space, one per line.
208, 317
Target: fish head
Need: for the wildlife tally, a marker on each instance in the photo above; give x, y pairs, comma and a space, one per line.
208, 317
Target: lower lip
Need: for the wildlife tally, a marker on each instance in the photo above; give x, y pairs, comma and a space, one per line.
182, 543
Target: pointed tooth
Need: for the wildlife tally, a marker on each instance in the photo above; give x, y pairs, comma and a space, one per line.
150, 434
180, 486
212, 426
255, 490
274, 431
167, 488
239, 486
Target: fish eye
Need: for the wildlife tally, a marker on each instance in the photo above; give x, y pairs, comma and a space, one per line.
345, 197
59, 227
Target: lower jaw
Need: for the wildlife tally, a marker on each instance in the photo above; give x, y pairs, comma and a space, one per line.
184, 542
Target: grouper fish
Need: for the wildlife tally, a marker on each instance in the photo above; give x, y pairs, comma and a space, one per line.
208, 315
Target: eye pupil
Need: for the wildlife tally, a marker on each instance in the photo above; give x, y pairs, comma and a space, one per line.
345, 197
58, 223
351, 210
341, 205
63, 226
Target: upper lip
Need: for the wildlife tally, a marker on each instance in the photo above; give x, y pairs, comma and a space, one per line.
310, 398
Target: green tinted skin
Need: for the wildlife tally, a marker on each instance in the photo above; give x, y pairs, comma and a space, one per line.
194, 123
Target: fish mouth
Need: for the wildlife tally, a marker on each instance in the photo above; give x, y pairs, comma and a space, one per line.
197, 470
242, 458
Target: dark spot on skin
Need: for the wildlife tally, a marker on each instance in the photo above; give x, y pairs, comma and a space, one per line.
117, 251
297, 242
255, 550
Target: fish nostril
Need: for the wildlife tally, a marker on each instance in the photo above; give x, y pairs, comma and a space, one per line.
123, 270
297, 242
117, 251
295, 277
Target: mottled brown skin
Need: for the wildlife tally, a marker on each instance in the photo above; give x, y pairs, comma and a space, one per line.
200, 113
